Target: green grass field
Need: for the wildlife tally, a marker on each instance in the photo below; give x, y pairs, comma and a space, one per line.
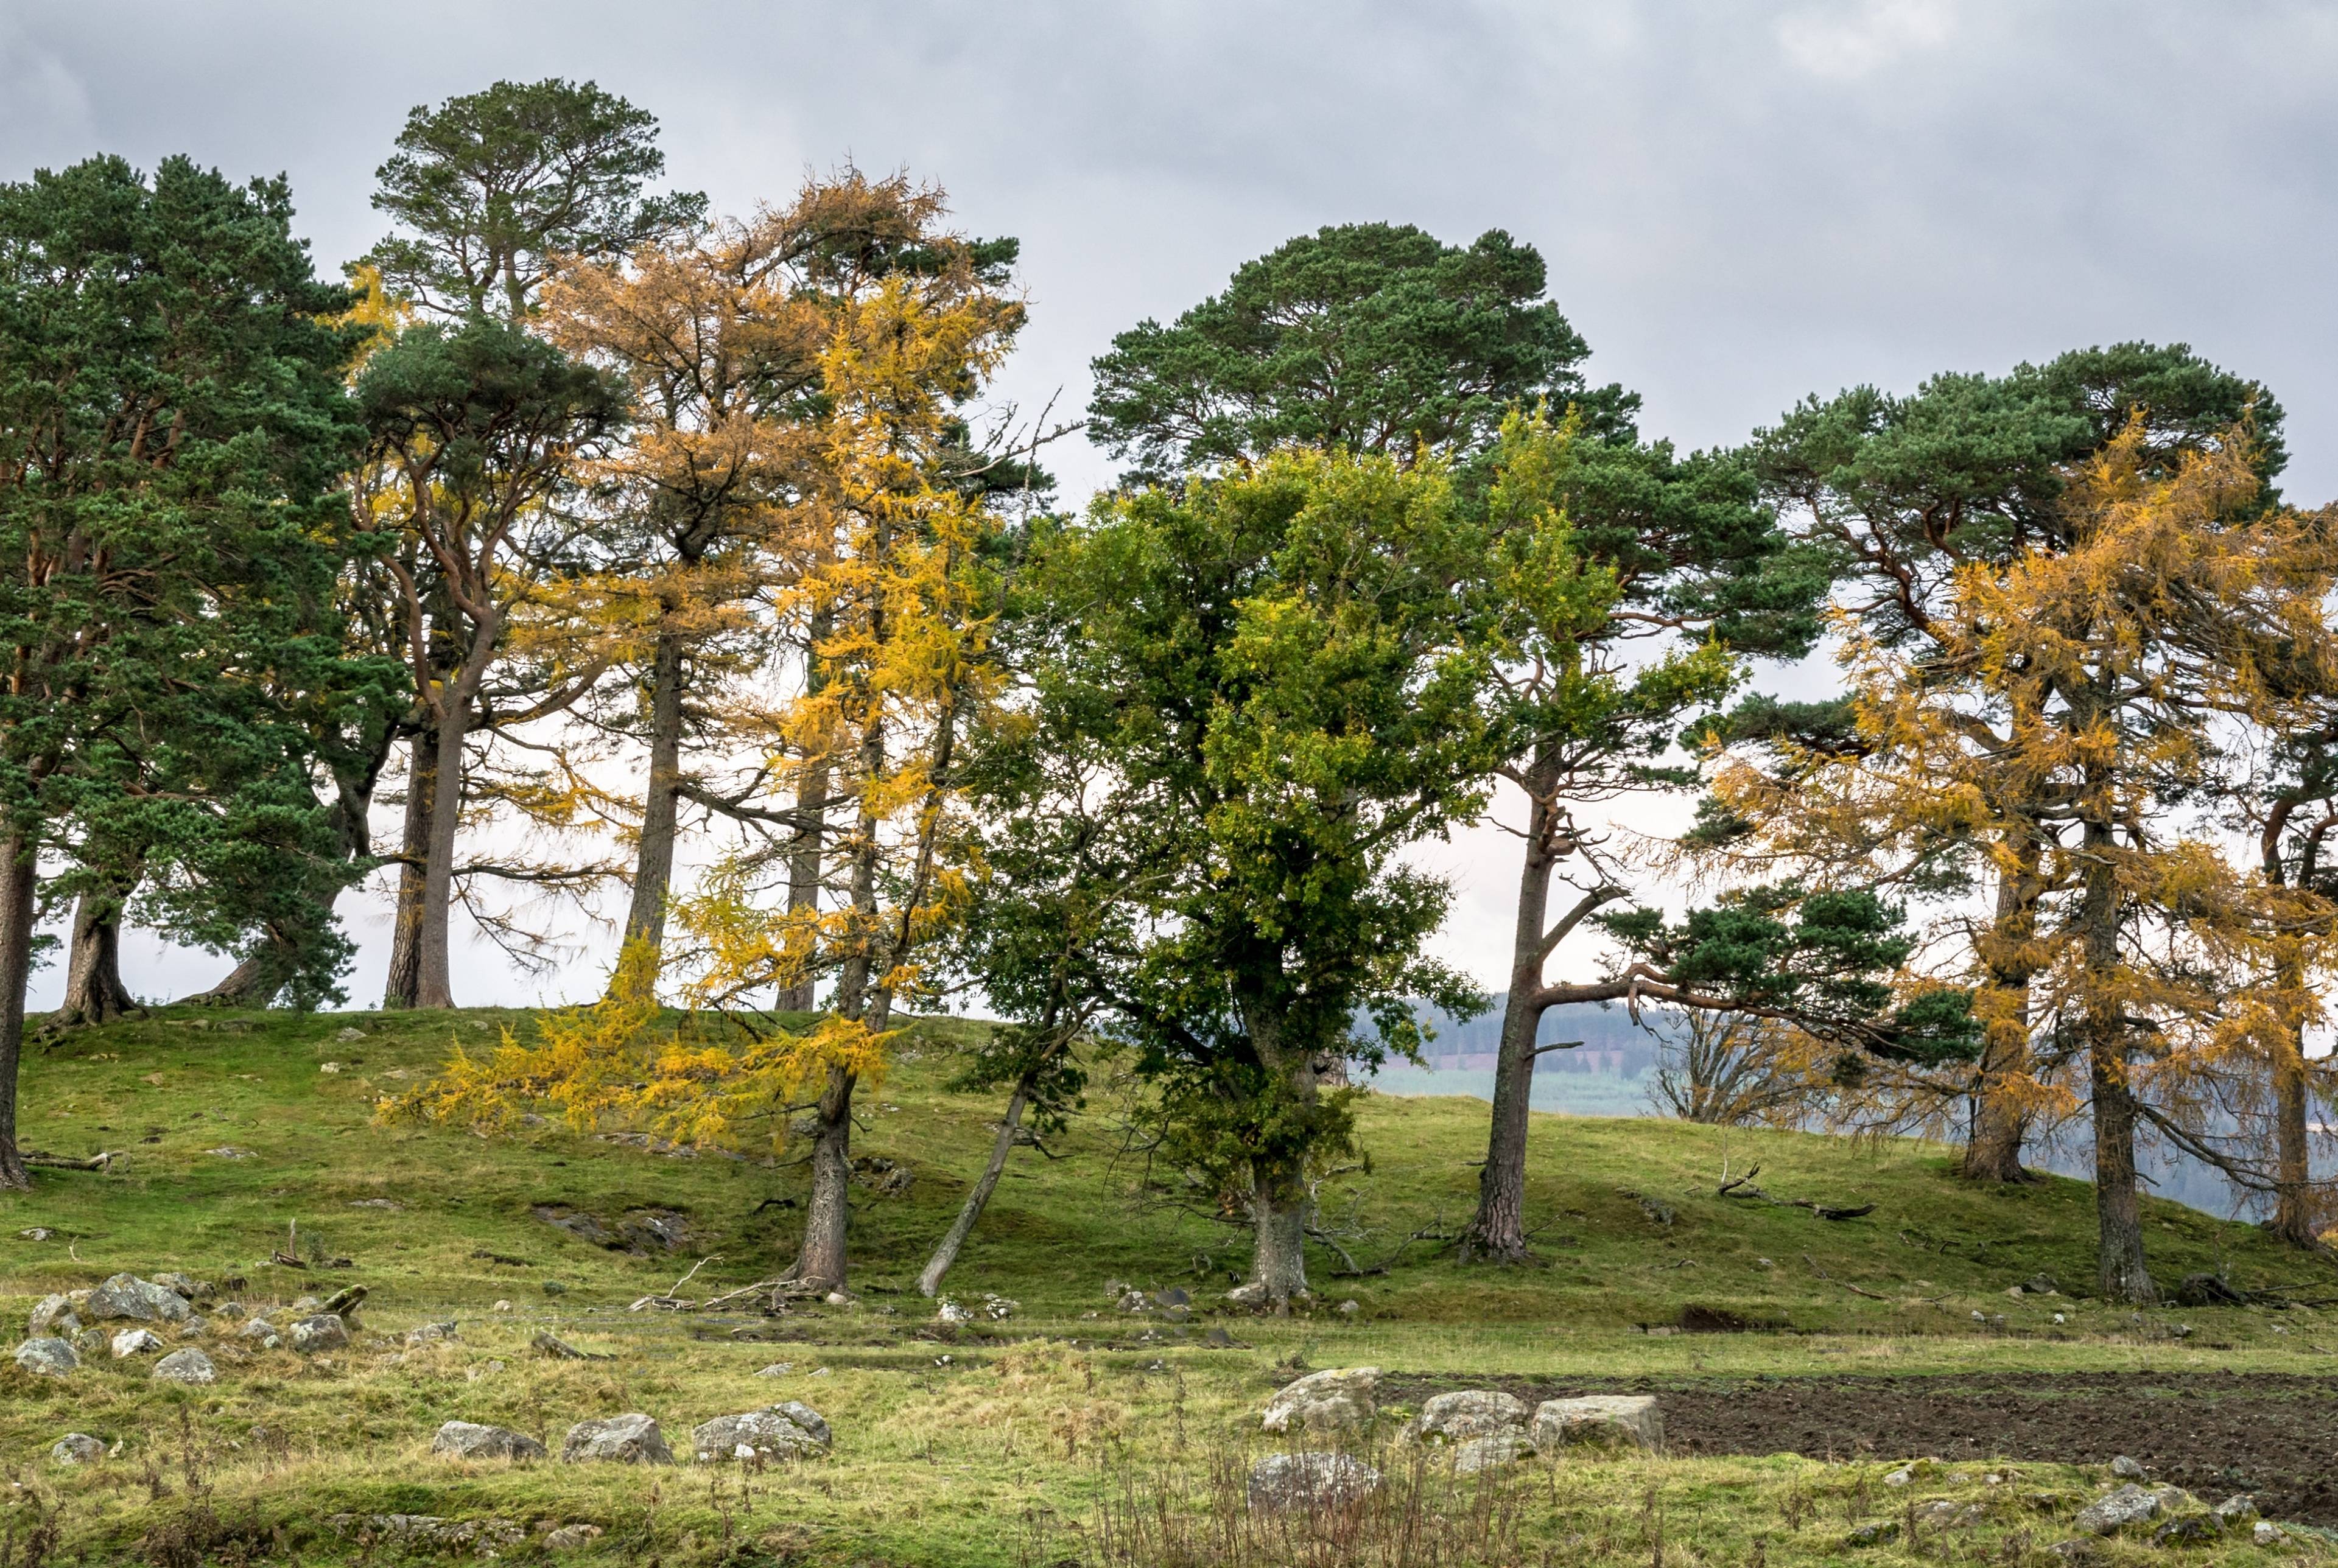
1033, 1439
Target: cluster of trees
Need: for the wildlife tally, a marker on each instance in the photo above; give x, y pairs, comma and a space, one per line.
588, 512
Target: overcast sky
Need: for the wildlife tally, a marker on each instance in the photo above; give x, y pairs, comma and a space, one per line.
1740, 202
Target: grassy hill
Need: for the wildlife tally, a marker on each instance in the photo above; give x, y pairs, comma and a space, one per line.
1001, 1441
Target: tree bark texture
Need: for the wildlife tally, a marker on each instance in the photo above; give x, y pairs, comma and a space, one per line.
978, 1198
2118, 1210
405, 985
1497, 1232
95, 993
654, 862
19, 879
2000, 1122
433, 957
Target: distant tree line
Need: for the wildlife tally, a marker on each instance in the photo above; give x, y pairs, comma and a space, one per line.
586, 526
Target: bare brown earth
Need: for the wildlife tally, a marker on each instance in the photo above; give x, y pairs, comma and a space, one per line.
2211, 1433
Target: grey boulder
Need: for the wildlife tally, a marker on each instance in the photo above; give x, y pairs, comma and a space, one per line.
2130, 1504
47, 1357
126, 1296
620, 1440
136, 1342
324, 1331
1333, 1401
1491, 1452
773, 1433
1281, 1482
188, 1365
1619, 1420
53, 1317
469, 1440
1471, 1413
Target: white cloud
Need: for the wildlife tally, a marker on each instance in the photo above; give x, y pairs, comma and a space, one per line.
1846, 42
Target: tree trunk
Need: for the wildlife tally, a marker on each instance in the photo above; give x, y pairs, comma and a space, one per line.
2293, 1214
654, 865
2118, 1208
405, 985
95, 993
434, 957
827, 1217
19, 878
2000, 1116
1278, 1266
1497, 1232
811, 796
970, 1211
254, 982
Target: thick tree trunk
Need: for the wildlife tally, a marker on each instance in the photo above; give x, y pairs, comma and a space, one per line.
19, 878
404, 986
95, 993
2000, 1115
654, 864
254, 982
2293, 1215
946, 1254
2118, 1208
1279, 1204
827, 1217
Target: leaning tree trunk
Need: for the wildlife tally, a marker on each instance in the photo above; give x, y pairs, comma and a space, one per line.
653, 863
95, 993
19, 878
253, 983
970, 1211
405, 985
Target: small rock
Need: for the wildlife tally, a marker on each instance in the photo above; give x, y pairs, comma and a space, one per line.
1330, 1401
2059, 1318
817, 1372
544, 1343
2266, 1533
2040, 1285
194, 1328
188, 1288
375, 1203
1348, 1309
231, 1310
1874, 1533
305, 1305
1615, 1418
53, 1317
777, 1370
261, 1331
1470, 1413
47, 1357
469, 1440
126, 1296
771, 1433
185, 1366
425, 1334
837, 1299
230, 1151
620, 1440
2130, 1504
329, 1067
950, 1311
501, 1307
2127, 1468
1175, 1296
349, 1036
35, 1233
76, 1448
568, 1537
2189, 1531
135, 1342
1285, 1481
998, 1308
1899, 1477
2237, 1509
324, 1331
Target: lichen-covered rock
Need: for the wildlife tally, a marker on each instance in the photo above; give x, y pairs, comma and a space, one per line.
53, 1319
1281, 1482
126, 1296
76, 1448
1491, 1452
188, 1366
1334, 1401
188, 1288
632, 1439
2192, 1530
482, 1535
469, 1440
805, 1416
1615, 1419
569, 1537
324, 1331
2237, 1509
47, 1357
262, 1332
425, 1334
768, 1433
1470, 1413
2130, 1504
136, 1342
